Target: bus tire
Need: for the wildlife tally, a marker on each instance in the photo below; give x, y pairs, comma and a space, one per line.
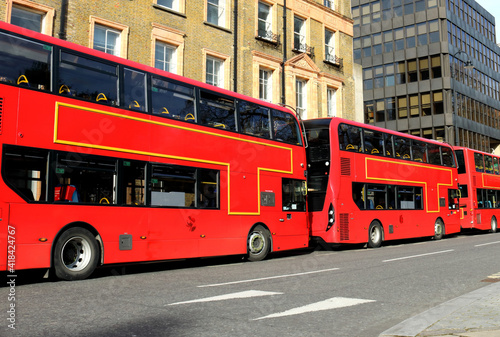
375, 235
76, 254
494, 225
438, 229
258, 243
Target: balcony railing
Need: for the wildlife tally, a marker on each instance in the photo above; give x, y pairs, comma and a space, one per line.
303, 48
334, 60
268, 36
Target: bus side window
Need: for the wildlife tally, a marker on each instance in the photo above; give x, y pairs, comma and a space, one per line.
419, 152
88, 79
285, 127
254, 120
133, 174
488, 164
434, 154
25, 63
448, 158
478, 160
402, 148
134, 90
350, 137
217, 111
389, 151
495, 165
25, 170
172, 100
92, 178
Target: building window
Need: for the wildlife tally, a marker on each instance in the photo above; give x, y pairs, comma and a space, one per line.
380, 110
426, 104
402, 107
299, 34
30, 15
331, 96
27, 19
412, 71
301, 98
436, 66
367, 79
390, 107
422, 33
171, 4
265, 85
216, 12
377, 44
108, 37
399, 41
215, 72
389, 75
414, 106
330, 46
437, 98
378, 77
264, 25
434, 31
107, 40
165, 57
424, 68
330, 4
365, 14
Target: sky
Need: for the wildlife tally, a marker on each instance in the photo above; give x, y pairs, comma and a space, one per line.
493, 6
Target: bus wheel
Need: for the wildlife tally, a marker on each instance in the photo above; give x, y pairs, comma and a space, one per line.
75, 254
438, 229
375, 235
259, 243
493, 225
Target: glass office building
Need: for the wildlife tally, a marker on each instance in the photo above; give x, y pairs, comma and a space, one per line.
430, 68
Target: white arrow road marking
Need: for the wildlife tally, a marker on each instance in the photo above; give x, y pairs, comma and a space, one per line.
243, 294
332, 303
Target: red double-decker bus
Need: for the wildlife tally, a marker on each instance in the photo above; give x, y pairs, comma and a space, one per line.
104, 160
479, 179
368, 184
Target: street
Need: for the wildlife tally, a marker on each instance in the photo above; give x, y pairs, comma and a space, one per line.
341, 292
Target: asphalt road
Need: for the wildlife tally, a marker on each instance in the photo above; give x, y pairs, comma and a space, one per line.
343, 292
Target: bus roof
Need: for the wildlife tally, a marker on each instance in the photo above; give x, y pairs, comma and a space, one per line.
338, 120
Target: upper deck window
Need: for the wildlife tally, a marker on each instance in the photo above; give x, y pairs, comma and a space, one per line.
134, 89
217, 111
254, 120
285, 128
478, 160
172, 100
25, 63
89, 79
349, 138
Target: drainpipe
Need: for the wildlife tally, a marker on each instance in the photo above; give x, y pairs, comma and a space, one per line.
283, 96
64, 20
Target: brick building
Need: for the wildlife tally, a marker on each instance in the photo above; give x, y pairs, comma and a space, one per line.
238, 45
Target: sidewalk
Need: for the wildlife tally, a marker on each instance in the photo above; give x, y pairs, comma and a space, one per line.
476, 314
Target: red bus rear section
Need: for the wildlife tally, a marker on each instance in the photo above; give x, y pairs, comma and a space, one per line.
108, 161
479, 179
368, 184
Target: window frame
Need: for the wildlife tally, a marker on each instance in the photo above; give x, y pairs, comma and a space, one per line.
47, 12
123, 29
